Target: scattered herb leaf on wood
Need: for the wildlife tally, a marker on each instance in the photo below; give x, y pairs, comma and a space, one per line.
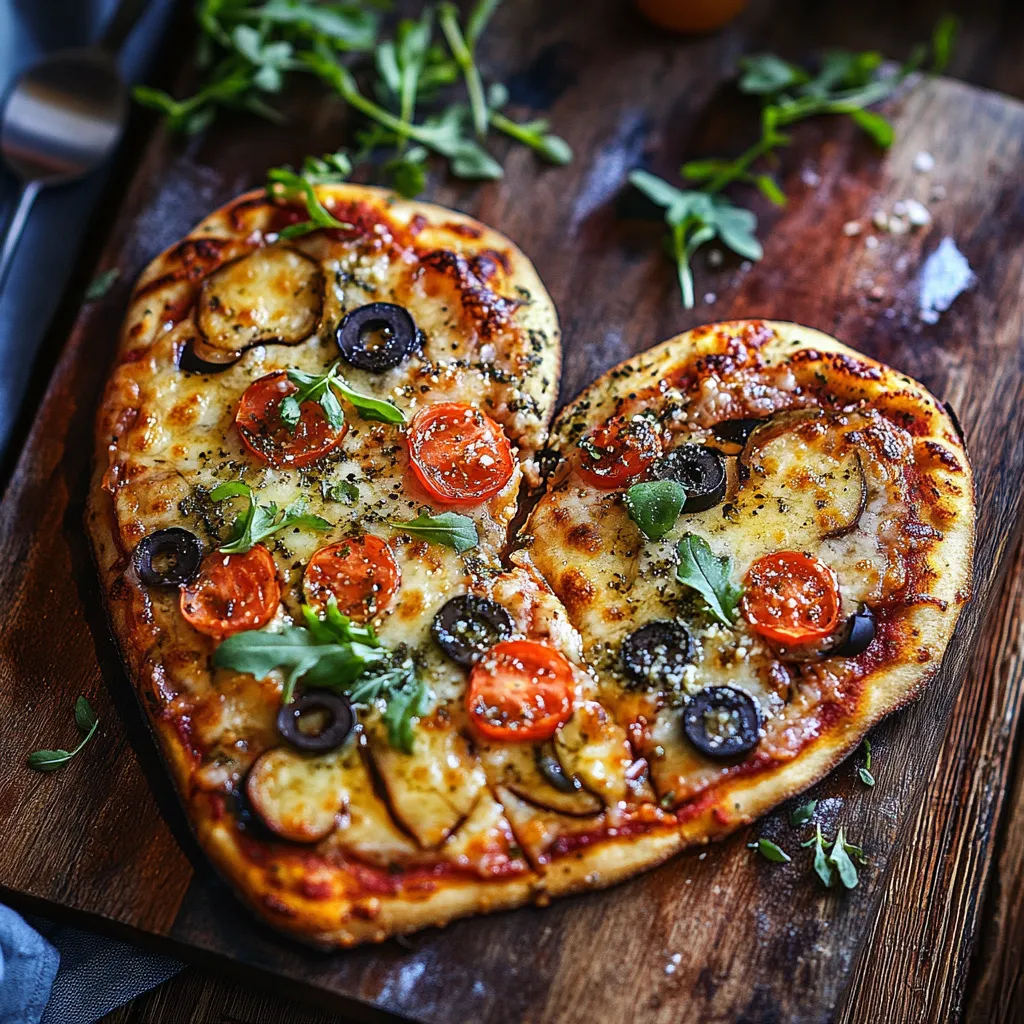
865, 772
845, 84
51, 760
770, 851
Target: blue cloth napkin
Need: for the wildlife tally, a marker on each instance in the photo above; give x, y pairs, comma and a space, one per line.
70, 976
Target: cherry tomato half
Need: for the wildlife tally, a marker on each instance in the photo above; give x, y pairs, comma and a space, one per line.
791, 597
267, 436
691, 15
459, 454
232, 593
520, 690
617, 451
361, 573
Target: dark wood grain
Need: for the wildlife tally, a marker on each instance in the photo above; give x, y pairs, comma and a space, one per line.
756, 941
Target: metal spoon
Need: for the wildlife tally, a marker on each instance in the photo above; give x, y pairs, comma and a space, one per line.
63, 117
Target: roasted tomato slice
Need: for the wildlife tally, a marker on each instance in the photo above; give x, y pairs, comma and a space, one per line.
459, 454
617, 451
361, 573
791, 598
520, 690
232, 593
267, 436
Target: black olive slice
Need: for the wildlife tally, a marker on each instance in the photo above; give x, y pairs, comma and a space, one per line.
178, 552
699, 469
554, 773
656, 654
191, 362
340, 721
736, 431
857, 635
467, 626
956, 422
390, 326
723, 722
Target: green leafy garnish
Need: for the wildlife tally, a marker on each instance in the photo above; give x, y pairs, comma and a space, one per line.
51, 760
344, 491
331, 652
320, 388
845, 84
708, 574
285, 184
101, 284
803, 814
865, 772
770, 851
838, 862
257, 522
655, 506
250, 49
822, 867
450, 528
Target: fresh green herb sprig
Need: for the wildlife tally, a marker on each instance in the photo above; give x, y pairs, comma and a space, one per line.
250, 48
701, 570
330, 651
256, 522
803, 814
51, 760
449, 528
837, 862
846, 84
285, 184
321, 388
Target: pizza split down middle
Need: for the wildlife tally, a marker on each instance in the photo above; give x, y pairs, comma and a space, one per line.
382, 710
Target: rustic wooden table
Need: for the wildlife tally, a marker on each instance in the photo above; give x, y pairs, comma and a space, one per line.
948, 943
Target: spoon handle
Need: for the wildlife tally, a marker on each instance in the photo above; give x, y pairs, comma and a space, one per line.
15, 226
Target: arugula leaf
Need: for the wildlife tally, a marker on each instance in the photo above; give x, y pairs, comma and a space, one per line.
822, 866
770, 851
450, 528
845, 84
448, 17
101, 284
350, 26
257, 522
839, 858
708, 574
284, 183
408, 173
803, 814
321, 388
330, 652
865, 772
51, 760
655, 506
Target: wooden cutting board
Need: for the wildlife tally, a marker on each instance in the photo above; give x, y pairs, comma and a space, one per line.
719, 936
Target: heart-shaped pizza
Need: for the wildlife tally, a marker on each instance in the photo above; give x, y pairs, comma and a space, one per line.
383, 705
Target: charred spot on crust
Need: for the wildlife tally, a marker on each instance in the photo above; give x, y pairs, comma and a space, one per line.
491, 313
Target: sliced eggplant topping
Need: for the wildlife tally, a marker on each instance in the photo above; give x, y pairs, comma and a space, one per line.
592, 749
377, 337
168, 558
723, 722
467, 626
858, 633
274, 294
852, 500
654, 656
297, 797
191, 359
316, 722
736, 431
431, 790
700, 470
539, 777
